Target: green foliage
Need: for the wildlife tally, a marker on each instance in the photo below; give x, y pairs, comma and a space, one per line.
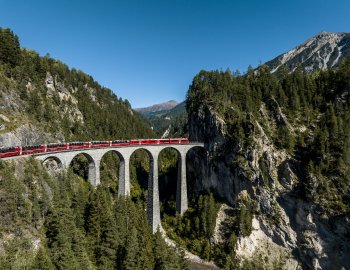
110, 171
16, 253
74, 225
139, 170
245, 219
194, 230
42, 260
10, 51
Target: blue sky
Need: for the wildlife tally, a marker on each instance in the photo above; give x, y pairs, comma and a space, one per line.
149, 51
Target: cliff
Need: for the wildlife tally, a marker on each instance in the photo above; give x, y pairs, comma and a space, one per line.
260, 157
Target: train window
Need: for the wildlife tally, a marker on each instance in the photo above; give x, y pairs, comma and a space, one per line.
8, 149
76, 143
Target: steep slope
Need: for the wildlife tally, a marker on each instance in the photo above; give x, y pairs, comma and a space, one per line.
325, 50
279, 154
42, 100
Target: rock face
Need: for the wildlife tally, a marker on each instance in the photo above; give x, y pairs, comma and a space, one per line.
287, 231
28, 135
56, 107
258, 243
325, 50
17, 128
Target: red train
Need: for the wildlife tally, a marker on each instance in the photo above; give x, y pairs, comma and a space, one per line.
56, 147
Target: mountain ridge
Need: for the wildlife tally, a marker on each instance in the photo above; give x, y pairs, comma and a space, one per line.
164, 106
322, 51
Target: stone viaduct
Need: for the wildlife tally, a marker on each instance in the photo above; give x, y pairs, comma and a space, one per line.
94, 156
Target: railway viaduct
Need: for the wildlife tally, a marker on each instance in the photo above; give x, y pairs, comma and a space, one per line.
94, 157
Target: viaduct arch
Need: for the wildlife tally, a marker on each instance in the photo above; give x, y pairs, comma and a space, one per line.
94, 157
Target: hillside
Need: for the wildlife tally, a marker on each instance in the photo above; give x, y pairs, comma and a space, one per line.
325, 50
279, 156
42, 100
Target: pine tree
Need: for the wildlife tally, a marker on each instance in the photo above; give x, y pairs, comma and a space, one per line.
160, 252
10, 52
107, 249
42, 260
131, 251
93, 220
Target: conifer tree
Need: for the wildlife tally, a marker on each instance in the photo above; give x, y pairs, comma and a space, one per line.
42, 260
131, 251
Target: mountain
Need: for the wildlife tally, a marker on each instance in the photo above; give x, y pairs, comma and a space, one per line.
42, 100
279, 156
165, 106
325, 50
169, 123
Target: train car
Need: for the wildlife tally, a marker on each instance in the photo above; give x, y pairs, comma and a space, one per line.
33, 149
53, 147
164, 141
120, 143
10, 152
184, 140
149, 141
135, 142
99, 144
174, 141
178, 140
153, 141
79, 145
